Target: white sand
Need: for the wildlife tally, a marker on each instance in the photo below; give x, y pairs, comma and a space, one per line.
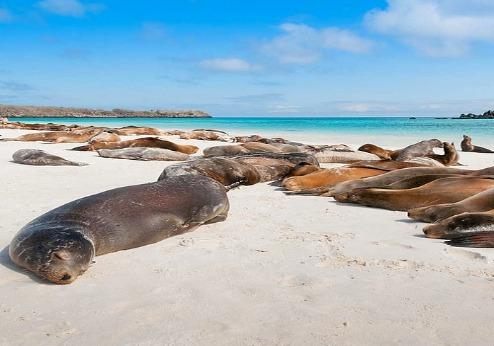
282, 270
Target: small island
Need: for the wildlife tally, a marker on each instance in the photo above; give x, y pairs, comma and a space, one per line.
486, 115
66, 112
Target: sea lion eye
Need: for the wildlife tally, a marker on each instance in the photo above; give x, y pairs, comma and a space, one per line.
66, 277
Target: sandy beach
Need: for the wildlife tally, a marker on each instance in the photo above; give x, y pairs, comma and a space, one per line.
281, 270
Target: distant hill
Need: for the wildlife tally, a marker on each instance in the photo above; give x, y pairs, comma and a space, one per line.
45, 112
486, 115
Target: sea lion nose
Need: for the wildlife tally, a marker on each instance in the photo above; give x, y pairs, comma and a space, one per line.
66, 277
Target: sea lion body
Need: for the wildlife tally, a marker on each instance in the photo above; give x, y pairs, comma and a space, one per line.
423, 148
60, 245
393, 177
146, 142
143, 154
466, 145
41, 158
105, 136
446, 190
461, 224
225, 150
207, 135
383, 154
480, 202
138, 130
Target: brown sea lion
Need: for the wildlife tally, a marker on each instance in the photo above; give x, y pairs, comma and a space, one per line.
450, 157
406, 173
466, 145
143, 154
41, 158
245, 139
146, 142
461, 224
60, 245
138, 130
320, 181
37, 127
224, 170
480, 202
105, 136
225, 150
446, 190
303, 168
76, 136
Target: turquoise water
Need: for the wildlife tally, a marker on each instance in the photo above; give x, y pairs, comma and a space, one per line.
380, 129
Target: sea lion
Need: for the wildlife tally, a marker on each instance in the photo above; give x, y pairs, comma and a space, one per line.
76, 136
333, 156
395, 176
320, 181
450, 157
138, 130
480, 202
227, 171
302, 168
207, 135
423, 148
224, 150
466, 145
460, 224
245, 139
146, 142
259, 147
143, 154
60, 245
41, 158
105, 136
446, 190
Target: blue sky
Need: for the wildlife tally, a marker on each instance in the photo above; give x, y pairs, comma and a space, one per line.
354, 57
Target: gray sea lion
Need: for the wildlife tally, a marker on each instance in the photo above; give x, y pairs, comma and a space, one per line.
224, 170
146, 142
423, 148
450, 157
41, 158
466, 145
446, 190
143, 154
483, 201
60, 245
461, 224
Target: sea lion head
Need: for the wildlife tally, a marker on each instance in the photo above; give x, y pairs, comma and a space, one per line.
59, 256
462, 223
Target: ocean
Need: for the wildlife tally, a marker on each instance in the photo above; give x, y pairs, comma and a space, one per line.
352, 130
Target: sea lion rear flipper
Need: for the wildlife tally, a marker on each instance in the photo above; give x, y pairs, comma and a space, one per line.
474, 240
317, 191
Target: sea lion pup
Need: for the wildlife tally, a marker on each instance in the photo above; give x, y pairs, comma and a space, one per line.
146, 142
483, 201
207, 135
446, 190
226, 171
466, 145
138, 130
60, 245
450, 157
143, 154
320, 181
41, 158
461, 224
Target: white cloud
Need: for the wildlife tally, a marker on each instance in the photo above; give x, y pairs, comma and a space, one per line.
72, 8
303, 44
436, 27
5, 15
229, 65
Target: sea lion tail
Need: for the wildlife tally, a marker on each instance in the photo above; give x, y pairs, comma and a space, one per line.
318, 191
474, 239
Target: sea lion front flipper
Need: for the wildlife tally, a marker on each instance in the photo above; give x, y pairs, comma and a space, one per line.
474, 240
